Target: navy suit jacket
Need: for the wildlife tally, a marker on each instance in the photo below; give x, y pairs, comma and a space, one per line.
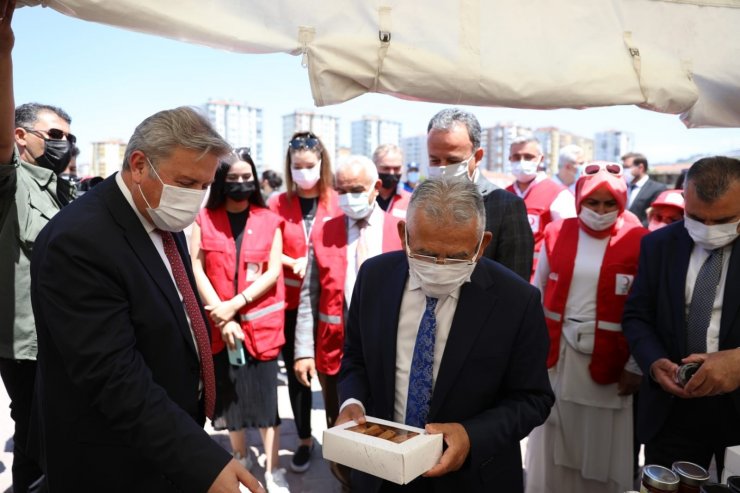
492, 378
512, 244
647, 194
654, 319
117, 403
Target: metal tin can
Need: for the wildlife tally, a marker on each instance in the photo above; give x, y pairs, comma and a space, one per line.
658, 479
685, 372
691, 476
714, 488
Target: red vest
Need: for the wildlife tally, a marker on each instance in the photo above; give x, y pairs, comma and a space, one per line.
399, 204
618, 269
538, 200
262, 320
330, 248
294, 236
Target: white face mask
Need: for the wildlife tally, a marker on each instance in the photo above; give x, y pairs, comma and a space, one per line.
454, 171
306, 178
439, 280
628, 176
413, 176
711, 237
524, 171
356, 205
177, 206
596, 221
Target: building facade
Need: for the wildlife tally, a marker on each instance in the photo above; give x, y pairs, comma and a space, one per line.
240, 125
611, 145
372, 131
107, 157
326, 127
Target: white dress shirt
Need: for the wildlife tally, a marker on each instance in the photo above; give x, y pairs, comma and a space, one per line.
698, 256
634, 189
157, 241
412, 309
374, 239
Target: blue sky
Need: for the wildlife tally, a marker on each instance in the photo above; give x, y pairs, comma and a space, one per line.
109, 79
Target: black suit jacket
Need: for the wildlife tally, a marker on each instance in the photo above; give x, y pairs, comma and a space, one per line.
654, 319
117, 382
512, 244
492, 378
647, 194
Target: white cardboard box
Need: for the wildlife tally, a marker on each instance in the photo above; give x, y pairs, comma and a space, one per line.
396, 462
732, 463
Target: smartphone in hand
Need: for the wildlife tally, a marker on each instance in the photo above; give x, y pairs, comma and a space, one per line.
236, 356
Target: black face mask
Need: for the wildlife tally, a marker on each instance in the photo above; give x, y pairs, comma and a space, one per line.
57, 155
239, 190
389, 181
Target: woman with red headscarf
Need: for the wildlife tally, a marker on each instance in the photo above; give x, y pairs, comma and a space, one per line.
585, 272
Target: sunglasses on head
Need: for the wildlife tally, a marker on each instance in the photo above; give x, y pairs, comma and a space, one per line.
306, 142
53, 133
242, 152
611, 168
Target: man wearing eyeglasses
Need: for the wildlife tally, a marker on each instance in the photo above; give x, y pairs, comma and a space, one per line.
441, 338
546, 200
340, 246
454, 146
388, 159
641, 189
35, 146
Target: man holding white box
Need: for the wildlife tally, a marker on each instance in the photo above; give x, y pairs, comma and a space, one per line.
440, 338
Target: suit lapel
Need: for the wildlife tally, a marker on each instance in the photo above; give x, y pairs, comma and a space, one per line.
145, 250
473, 309
677, 269
392, 295
731, 300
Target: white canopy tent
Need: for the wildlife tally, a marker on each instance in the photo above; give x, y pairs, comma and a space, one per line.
671, 56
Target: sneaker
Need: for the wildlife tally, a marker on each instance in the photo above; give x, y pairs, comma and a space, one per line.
275, 481
245, 461
301, 458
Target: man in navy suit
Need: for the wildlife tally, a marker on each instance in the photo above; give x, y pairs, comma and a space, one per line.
642, 190
482, 381
685, 307
124, 381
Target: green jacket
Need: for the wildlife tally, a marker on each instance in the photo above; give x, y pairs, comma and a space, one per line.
27, 202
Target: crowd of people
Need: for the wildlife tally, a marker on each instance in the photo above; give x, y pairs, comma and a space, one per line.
559, 309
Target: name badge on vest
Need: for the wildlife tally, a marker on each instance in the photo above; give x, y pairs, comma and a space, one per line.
623, 284
534, 222
253, 271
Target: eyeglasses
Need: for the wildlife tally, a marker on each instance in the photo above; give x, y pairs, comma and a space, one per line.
53, 134
306, 142
441, 261
611, 168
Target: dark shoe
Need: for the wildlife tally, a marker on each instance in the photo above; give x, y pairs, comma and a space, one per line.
301, 458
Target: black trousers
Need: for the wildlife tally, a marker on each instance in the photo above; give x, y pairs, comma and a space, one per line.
18, 377
300, 395
696, 430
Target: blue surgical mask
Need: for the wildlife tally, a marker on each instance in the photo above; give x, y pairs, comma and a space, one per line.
412, 177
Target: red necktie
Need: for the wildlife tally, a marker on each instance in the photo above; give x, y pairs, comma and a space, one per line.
196, 320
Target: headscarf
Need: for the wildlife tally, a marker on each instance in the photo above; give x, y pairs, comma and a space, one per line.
614, 184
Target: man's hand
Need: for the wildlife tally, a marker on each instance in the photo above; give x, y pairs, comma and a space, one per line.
664, 372
458, 448
351, 412
299, 267
305, 370
629, 383
223, 312
232, 332
231, 476
719, 373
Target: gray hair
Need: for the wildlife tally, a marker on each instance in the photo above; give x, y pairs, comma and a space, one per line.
569, 155
524, 139
159, 135
384, 149
449, 117
712, 177
449, 201
356, 161
27, 114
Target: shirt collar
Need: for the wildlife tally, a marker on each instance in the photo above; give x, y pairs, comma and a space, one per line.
148, 226
641, 181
